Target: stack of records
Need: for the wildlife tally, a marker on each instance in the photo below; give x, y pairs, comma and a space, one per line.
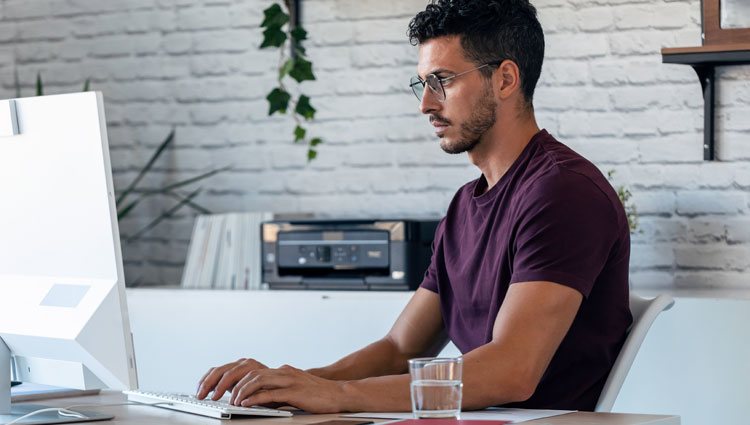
225, 252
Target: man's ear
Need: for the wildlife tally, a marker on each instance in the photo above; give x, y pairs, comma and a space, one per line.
506, 79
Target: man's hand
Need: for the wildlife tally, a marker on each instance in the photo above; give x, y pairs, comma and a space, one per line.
223, 378
289, 386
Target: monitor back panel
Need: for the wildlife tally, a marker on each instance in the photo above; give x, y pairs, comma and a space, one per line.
61, 279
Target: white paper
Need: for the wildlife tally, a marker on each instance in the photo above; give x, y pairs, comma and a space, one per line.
491, 414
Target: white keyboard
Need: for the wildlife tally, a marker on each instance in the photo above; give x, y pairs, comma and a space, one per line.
190, 404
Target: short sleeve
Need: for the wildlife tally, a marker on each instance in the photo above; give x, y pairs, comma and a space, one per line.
566, 229
430, 280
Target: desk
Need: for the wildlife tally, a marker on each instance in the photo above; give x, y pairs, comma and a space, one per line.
126, 415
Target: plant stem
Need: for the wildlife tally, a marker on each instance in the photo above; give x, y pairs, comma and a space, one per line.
164, 215
147, 167
189, 203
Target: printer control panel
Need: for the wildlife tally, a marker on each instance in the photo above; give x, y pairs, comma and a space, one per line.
338, 250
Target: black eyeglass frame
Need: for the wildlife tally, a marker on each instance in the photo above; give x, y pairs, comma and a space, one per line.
441, 95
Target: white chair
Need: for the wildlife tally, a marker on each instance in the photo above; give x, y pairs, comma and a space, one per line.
644, 313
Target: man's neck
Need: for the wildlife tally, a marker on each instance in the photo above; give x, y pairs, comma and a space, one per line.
501, 146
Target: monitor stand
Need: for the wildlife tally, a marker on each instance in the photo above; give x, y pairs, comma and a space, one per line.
10, 412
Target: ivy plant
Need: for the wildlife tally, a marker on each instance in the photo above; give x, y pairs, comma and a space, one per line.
624, 194
278, 32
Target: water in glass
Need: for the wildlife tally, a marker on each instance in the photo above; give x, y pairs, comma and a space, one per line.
436, 398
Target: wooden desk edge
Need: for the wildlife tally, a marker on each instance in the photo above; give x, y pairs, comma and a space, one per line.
125, 416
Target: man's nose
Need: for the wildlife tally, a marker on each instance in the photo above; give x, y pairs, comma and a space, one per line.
429, 103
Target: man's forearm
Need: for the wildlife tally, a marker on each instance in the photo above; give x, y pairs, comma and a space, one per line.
377, 359
379, 394
489, 379
492, 376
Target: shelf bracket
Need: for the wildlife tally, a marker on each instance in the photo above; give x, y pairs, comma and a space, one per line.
707, 76
704, 60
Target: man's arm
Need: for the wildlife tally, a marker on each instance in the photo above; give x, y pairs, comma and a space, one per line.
533, 320
418, 331
531, 324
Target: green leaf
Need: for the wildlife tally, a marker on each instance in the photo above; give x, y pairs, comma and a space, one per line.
302, 70
299, 50
299, 34
299, 134
278, 100
273, 37
316, 141
185, 182
288, 65
311, 154
274, 16
304, 108
169, 191
124, 211
86, 85
39, 88
144, 170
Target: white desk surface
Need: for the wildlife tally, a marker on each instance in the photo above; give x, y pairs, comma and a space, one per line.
130, 414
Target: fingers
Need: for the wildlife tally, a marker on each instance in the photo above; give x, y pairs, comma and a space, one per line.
228, 381
242, 382
203, 378
220, 379
266, 380
209, 380
288, 386
281, 395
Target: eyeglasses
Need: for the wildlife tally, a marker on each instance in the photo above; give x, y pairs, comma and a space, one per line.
436, 84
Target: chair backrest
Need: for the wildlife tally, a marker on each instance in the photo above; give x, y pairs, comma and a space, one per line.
644, 313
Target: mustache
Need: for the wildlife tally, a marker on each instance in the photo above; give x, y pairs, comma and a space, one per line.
439, 119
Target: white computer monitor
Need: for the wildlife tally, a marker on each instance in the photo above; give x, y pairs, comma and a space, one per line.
63, 312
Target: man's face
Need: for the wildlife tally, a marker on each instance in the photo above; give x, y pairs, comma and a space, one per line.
468, 110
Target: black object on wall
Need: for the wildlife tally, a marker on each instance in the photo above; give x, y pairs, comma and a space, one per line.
295, 19
704, 61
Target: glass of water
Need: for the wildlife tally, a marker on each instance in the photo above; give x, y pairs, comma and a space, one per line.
436, 387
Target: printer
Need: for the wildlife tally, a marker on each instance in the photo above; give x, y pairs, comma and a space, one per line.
378, 255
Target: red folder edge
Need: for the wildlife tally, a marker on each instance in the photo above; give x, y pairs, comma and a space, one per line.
450, 422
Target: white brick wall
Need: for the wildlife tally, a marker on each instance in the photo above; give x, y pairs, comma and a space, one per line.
194, 64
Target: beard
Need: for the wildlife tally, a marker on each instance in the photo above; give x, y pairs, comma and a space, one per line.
482, 118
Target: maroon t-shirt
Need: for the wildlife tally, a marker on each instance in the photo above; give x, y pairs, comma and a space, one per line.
552, 217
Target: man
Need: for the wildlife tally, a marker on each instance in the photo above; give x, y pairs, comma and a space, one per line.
530, 266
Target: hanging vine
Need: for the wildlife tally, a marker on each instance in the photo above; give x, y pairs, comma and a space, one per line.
280, 33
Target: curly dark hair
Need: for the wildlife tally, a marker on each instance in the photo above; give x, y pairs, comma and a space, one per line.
490, 30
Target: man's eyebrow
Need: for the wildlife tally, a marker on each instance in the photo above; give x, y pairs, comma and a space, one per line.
438, 71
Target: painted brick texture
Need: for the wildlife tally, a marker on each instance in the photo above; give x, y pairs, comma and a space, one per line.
194, 65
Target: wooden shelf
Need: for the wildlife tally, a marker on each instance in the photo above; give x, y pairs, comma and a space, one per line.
721, 48
730, 54
704, 60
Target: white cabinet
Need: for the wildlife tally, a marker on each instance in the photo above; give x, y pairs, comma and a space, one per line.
179, 334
